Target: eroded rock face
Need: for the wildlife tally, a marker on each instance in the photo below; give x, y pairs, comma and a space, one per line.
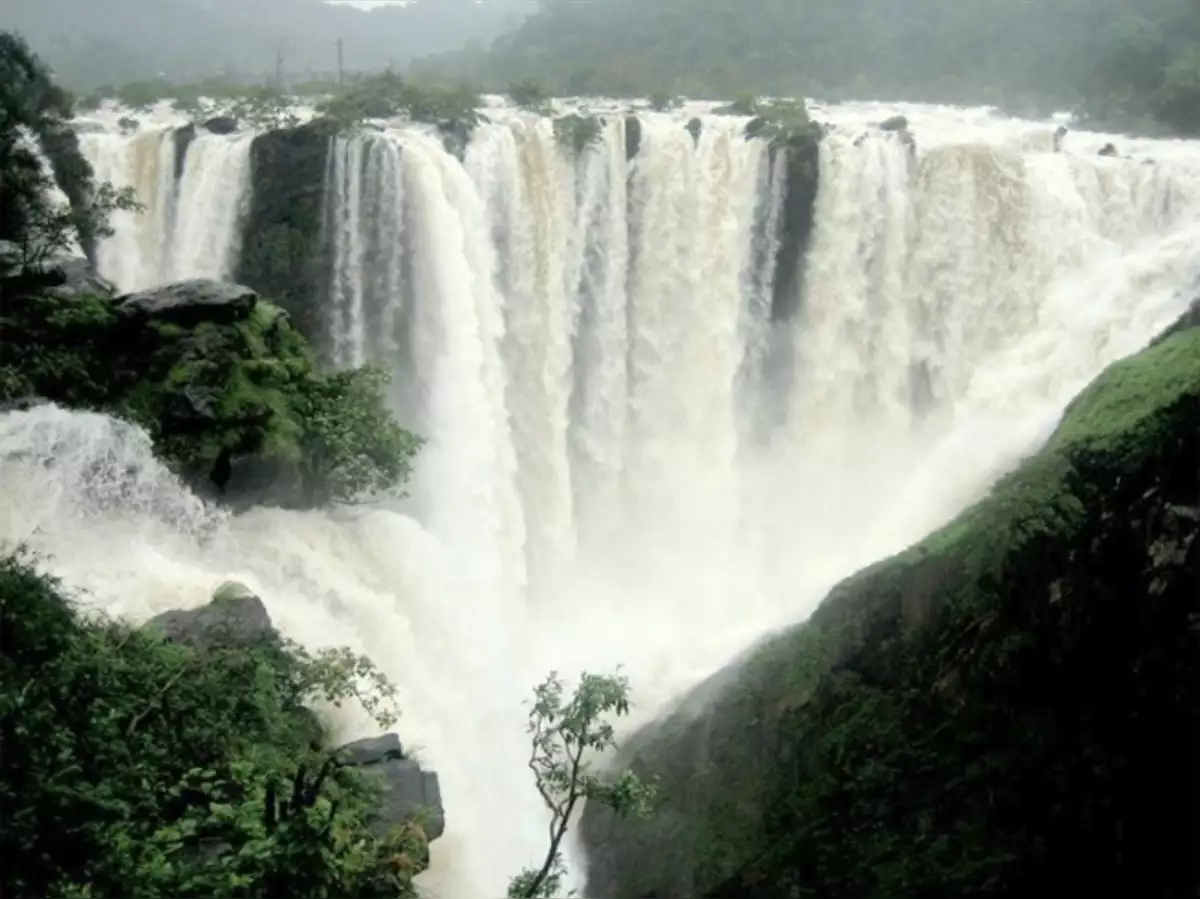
1009, 708
286, 251
409, 791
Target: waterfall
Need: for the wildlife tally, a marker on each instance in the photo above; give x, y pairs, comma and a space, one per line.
188, 227
586, 341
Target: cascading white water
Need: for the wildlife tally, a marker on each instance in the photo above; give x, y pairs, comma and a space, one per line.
583, 343
188, 227
211, 200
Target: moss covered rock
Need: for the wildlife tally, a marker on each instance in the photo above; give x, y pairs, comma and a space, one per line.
1010, 708
223, 383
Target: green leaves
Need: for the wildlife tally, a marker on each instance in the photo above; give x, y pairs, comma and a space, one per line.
30, 216
352, 446
134, 768
565, 734
387, 95
333, 430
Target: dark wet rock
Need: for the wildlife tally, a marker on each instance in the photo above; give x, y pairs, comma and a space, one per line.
633, 137
409, 792
223, 124
234, 617
193, 301
183, 140
287, 246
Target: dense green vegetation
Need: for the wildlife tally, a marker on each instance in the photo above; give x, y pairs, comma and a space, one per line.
138, 768
210, 390
1008, 709
141, 767
1121, 62
270, 105
32, 105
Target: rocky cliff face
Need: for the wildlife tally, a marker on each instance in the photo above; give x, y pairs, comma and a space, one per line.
286, 249
1009, 708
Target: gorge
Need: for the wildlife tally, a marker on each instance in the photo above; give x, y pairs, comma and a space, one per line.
651, 438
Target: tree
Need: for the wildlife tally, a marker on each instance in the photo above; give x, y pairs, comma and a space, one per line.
136, 766
35, 112
353, 448
565, 734
530, 94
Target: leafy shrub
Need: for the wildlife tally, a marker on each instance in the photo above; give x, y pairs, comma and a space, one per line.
258, 389
137, 768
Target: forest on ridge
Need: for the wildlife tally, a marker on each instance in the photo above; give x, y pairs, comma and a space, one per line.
1131, 64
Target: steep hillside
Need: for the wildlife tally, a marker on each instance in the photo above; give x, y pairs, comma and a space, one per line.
1008, 709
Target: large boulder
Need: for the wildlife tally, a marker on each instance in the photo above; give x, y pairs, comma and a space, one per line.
190, 302
410, 793
214, 375
222, 382
1010, 708
235, 617
222, 124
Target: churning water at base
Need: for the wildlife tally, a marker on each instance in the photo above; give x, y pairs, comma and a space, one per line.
630, 461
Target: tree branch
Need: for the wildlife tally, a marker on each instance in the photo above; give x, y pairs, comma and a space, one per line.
140, 716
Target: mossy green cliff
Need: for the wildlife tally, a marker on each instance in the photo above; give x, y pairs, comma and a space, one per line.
224, 384
1010, 708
